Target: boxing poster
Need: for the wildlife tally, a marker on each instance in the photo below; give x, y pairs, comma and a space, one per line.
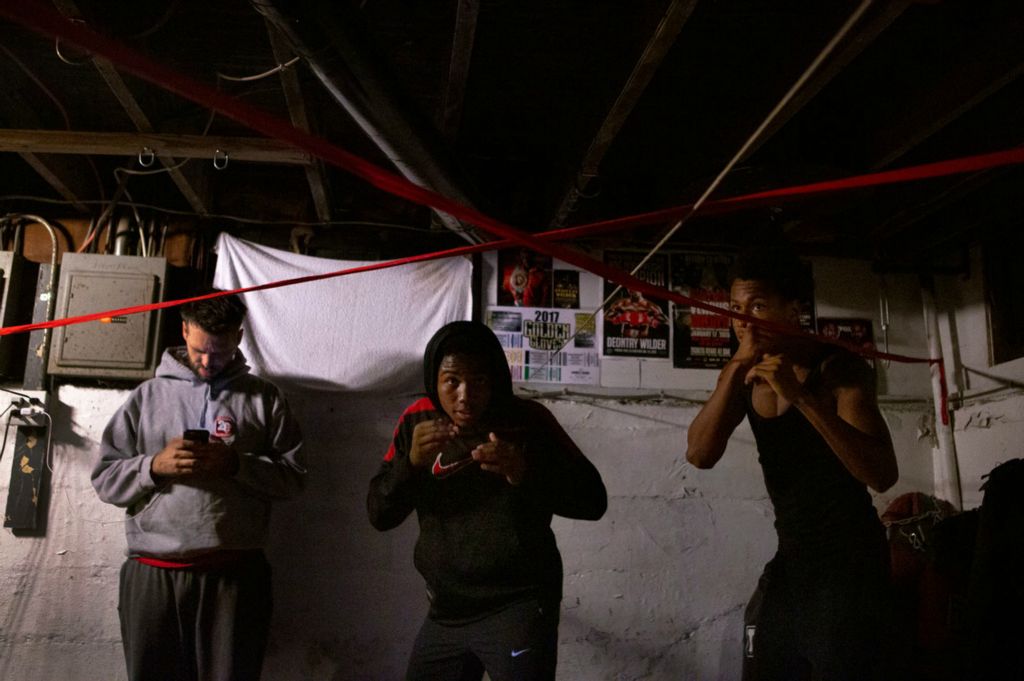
633, 325
524, 278
807, 311
548, 345
855, 330
700, 338
567, 289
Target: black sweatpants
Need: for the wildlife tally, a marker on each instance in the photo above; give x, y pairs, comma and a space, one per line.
826, 620
191, 625
519, 643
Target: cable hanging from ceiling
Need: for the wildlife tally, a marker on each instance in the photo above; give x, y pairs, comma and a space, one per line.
259, 76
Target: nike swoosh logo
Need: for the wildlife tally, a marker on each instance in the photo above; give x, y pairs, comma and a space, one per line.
441, 470
517, 653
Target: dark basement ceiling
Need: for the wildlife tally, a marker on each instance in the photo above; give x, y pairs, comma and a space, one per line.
541, 114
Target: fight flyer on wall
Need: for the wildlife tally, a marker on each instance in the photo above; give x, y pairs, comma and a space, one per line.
633, 325
548, 345
807, 312
855, 330
567, 289
701, 339
524, 278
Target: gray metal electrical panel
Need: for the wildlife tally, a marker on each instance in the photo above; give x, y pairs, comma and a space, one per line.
119, 347
17, 289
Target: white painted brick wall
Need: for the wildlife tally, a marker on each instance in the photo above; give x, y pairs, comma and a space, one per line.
655, 590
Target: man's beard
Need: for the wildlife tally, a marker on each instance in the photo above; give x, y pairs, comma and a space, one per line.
197, 370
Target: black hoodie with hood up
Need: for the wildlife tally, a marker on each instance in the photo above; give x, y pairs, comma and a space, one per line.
484, 543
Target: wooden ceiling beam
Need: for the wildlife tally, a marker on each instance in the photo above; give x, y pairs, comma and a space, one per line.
857, 41
972, 84
463, 37
990, 61
131, 107
163, 145
327, 35
53, 178
138, 117
905, 218
315, 174
657, 47
68, 181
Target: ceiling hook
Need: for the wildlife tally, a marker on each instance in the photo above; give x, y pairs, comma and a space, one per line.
220, 159
146, 157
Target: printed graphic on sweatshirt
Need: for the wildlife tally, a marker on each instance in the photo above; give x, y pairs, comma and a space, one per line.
224, 427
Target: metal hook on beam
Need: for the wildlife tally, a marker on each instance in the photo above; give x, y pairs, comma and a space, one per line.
146, 157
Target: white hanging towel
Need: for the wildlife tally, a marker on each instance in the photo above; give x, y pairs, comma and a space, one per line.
362, 332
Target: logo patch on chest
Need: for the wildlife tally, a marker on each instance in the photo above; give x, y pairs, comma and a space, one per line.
224, 427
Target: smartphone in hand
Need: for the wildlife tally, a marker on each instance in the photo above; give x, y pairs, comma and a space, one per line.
197, 435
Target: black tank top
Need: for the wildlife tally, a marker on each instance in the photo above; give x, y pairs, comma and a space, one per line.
820, 508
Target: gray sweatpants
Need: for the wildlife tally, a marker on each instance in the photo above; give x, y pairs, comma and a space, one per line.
191, 625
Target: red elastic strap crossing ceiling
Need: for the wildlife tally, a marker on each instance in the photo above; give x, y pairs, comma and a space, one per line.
45, 20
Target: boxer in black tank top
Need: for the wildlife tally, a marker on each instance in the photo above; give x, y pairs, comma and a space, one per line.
821, 443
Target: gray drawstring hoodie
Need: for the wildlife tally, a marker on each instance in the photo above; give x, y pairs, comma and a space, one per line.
187, 517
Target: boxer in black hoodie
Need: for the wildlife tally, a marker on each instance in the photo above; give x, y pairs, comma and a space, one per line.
484, 471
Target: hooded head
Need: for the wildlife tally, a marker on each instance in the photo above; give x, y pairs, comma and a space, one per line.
466, 352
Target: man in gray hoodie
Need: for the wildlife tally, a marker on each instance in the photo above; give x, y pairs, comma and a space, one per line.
195, 593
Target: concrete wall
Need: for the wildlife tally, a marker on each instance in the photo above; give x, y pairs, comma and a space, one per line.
58, 609
988, 431
654, 591
987, 398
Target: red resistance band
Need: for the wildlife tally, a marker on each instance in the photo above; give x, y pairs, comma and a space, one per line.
43, 19
654, 291
938, 169
957, 166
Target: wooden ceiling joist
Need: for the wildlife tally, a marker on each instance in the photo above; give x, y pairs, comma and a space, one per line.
654, 53
52, 178
458, 68
254, 149
987, 63
946, 105
120, 89
138, 117
327, 36
68, 180
315, 175
895, 225
862, 36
